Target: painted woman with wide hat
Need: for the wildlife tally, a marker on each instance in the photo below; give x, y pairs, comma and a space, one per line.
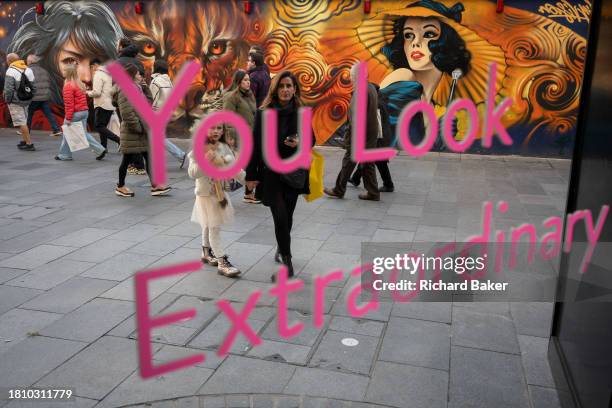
424, 43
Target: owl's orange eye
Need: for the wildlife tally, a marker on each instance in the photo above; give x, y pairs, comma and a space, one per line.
149, 48
217, 48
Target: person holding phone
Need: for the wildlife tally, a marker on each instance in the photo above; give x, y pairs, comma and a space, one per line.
275, 191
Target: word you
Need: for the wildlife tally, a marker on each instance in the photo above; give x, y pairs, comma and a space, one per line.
157, 121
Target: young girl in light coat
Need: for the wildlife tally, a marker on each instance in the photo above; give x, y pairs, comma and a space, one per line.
213, 207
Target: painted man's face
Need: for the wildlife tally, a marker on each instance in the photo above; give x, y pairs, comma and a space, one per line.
418, 32
71, 54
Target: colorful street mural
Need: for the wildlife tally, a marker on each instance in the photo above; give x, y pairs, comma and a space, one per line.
411, 48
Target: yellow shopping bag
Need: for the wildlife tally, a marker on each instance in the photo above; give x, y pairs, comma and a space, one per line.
317, 170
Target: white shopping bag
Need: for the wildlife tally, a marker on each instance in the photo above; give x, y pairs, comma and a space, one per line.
114, 125
75, 136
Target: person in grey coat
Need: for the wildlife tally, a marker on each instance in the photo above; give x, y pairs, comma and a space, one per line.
42, 95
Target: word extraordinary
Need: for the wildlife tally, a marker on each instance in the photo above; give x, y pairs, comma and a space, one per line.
157, 122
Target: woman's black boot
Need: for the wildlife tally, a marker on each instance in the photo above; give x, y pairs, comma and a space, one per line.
277, 257
286, 259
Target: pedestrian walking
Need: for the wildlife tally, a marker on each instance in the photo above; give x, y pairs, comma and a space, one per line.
102, 93
134, 140
160, 87
240, 99
213, 207
279, 192
76, 110
259, 74
348, 165
42, 95
18, 91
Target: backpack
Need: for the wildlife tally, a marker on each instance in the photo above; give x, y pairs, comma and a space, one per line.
25, 90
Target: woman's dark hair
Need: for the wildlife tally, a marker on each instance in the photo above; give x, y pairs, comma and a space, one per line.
272, 97
237, 79
160, 67
448, 52
257, 58
131, 70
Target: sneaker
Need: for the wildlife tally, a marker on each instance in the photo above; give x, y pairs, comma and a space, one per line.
369, 197
208, 256
182, 161
250, 199
160, 191
226, 268
28, 147
22, 143
101, 156
60, 159
56, 134
124, 192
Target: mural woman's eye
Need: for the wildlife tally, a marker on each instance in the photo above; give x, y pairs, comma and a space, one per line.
408, 36
217, 48
149, 48
430, 34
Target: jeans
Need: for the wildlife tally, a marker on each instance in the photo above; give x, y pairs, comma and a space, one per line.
174, 150
46, 108
101, 119
64, 150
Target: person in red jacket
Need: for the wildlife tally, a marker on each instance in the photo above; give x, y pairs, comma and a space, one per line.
76, 110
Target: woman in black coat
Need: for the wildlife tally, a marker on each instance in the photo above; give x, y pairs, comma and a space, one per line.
276, 193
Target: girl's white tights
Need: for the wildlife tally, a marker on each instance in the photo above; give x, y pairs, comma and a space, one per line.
211, 238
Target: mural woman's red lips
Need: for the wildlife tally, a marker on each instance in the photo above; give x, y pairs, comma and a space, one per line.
417, 55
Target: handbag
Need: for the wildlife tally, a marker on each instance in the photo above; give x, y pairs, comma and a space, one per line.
75, 136
296, 179
315, 177
114, 125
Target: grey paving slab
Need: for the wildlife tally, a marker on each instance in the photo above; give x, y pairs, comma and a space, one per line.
346, 244
69, 295
357, 326
416, 342
36, 256
307, 337
484, 331
323, 383
204, 283
128, 326
11, 297
281, 351
139, 232
125, 290
481, 378
399, 223
432, 311
101, 250
50, 275
34, 357
169, 218
544, 397
98, 369
213, 336
90, 321
332, 354
33, 213
230, 377
245, 255
534, 353
304, 299
391, 235
18, 227
169, 353
83, 237
120, 267
176, 384
324, 262
7, 274
19, 324
382, 311
406, 386
532, 318
242, 289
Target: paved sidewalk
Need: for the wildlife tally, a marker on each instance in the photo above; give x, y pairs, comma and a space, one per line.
69, 247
